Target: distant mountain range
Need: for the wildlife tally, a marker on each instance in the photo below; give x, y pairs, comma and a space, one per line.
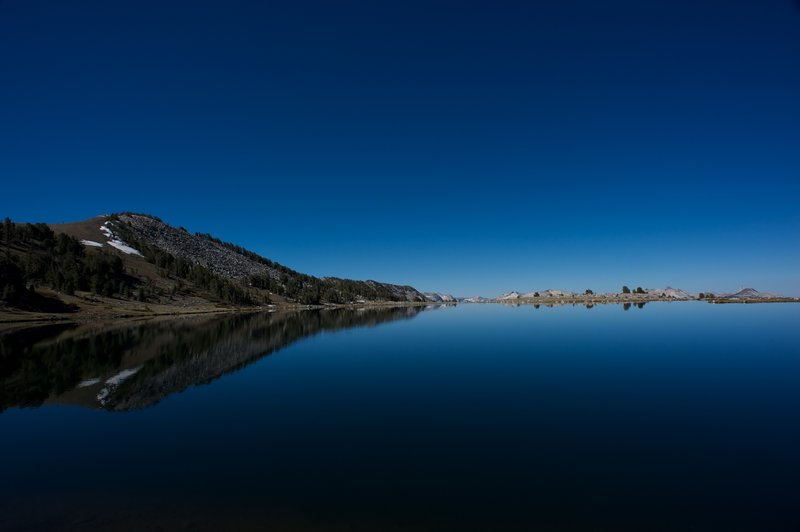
668, 293
474, 299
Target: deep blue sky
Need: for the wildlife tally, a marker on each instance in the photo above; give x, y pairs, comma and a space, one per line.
467, 147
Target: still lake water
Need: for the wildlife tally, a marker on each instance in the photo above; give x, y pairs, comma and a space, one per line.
675, 416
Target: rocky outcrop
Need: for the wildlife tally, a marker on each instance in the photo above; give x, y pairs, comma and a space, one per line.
670, 293
550, 293
197, 249
474, 299
436, 297
508, 296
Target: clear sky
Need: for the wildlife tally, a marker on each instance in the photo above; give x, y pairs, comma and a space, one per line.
465, 147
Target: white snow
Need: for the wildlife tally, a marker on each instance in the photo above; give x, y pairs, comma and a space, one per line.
123, 247
91, 243
116, 242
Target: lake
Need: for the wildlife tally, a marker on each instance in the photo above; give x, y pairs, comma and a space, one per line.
673, 416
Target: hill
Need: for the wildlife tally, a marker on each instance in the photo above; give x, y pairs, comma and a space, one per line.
435, 297
670, 293
749, 294
508, 296
129, 257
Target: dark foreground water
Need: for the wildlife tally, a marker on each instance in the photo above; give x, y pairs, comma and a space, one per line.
682, 416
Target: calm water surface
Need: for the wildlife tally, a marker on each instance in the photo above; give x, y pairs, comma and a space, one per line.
682, 416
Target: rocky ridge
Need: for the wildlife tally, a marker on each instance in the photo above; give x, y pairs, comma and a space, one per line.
194, 248
234, 262
436, 297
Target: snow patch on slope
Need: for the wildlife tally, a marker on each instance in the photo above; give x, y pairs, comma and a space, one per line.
123, 247
116, 242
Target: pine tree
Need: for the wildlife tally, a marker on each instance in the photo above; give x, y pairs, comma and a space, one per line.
8, 229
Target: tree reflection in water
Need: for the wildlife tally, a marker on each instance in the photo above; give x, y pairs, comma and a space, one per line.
136, 364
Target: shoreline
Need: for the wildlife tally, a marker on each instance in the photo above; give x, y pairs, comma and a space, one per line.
12, 316
631, 300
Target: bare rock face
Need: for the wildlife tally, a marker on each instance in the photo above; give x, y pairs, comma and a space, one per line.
197, 249
436, 297
509, 296
404, 292
669, 292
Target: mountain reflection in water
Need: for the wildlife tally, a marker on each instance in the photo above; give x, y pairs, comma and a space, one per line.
134, 365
